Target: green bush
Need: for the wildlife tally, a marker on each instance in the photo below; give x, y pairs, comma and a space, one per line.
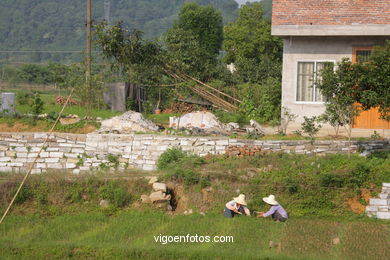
170, 157
176, 158
117, 196
24, 195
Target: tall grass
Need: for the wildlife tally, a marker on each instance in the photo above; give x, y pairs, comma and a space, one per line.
130, 234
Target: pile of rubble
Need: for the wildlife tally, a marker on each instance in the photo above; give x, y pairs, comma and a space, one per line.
60, 100
199, 123
243, 151
128, 122
204, 122
160, 197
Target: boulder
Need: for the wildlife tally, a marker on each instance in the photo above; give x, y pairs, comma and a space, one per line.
158, 186
157, 196
145, 199
104, 203
152, 180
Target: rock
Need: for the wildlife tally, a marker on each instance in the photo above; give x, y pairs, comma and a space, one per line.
158, 186
153, 180
158, 196
169, 207
129, 122
234, 125
69, 121
257, 126
188, 212
162, 204
104, 203
145, 199
42, 115
336, 241
202, 213
273, 244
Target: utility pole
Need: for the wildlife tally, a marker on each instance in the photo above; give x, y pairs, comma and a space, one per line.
88, 54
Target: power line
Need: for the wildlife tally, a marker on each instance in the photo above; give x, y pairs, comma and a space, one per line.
33, 51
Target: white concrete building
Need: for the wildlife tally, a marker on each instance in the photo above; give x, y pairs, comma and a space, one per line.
317, 32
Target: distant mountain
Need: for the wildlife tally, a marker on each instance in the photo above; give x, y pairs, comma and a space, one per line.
58, 25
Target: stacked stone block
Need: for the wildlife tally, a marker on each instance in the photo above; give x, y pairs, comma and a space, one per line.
93, 151
380, 207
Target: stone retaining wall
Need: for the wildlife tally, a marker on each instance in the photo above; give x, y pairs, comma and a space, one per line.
380, 207
85, 152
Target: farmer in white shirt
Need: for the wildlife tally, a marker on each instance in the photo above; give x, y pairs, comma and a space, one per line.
236, 207
277, 212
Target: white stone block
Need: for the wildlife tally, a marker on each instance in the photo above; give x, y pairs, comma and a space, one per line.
32, 155
20, 149
40, 136
222, 142
76, 171
21, 160
383, 215
40, 165
78, 150
384, 196
65, 145
70, 165
5, 159
44, 155
56, 154
36, 171
52, 149
21, 155
71, 155
162, 148
52, 160
371, 208
386, 184
378, 202
147, 167
15, 164
54, 166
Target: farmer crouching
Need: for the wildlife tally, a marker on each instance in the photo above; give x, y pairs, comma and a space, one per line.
236, 207
277, 212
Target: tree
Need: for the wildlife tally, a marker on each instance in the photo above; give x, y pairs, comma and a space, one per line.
195, 40
249, 44
374, 81
341, 92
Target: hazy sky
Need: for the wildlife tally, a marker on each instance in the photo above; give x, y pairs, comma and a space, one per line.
244, 1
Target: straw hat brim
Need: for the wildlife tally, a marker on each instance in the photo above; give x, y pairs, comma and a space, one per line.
240, 201
270, 201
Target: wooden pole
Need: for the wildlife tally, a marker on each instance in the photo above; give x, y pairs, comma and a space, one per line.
88, 54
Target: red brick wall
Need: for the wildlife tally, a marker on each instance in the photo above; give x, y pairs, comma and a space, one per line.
330, 12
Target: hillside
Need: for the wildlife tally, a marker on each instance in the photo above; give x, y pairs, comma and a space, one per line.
60, 25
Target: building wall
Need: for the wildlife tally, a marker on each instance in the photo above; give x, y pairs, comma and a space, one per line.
78, 153
314, 49
330, 12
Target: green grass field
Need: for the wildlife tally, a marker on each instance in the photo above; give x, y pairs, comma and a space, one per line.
129, 234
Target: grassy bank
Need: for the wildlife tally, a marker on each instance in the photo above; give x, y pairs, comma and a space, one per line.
57, 216
130, 234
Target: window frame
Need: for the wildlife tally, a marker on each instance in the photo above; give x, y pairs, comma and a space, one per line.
315, 75
361, 48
